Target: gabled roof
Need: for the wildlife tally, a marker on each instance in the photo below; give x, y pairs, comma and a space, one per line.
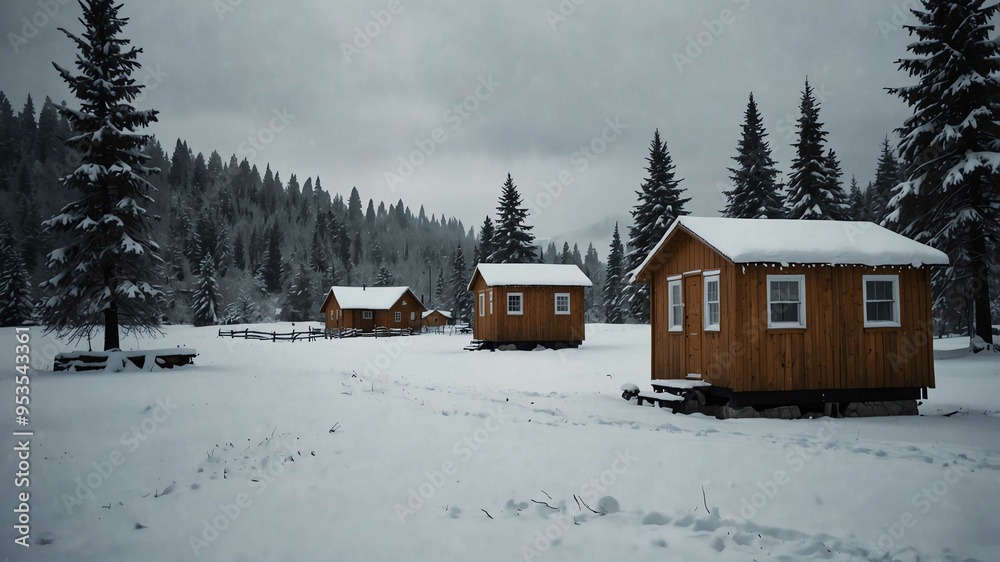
802, 241
445, 313
531, 275
369, 298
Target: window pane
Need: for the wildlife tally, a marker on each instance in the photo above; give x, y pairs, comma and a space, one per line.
713, 314
784, 312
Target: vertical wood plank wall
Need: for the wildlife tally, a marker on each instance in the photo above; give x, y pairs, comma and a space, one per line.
539, 322
835, 350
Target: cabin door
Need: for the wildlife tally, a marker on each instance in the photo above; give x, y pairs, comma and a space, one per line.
692, 323
367, 320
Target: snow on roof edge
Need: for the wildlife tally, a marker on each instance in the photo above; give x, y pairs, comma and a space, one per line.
531, 275
834, 242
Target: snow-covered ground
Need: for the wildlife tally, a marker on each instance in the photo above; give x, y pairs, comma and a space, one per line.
413, 449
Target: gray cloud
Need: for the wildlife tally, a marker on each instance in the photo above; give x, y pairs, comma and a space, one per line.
225, 76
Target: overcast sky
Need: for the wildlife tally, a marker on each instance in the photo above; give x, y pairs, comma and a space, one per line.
535, 83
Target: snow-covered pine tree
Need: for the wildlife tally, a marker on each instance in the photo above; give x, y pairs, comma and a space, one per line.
440, 291
512, 239
206, 300
809, 195
950, 150
756, 193
887, 177
105, 270
15, 291
486, 240
243, 311
384, 278
461, 300
614, 281
857, 202
299, 302
660, 203
838, 202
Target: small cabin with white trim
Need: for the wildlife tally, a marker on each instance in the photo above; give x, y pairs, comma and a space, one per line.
771, 312
368, 308
527, 304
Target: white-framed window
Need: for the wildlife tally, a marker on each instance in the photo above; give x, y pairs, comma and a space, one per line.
786, 301
712, 309
333, 315
398, 317
413, 316
366, 315
515, 302
676, 306
482, 304
491, 302
881, 301
562, 304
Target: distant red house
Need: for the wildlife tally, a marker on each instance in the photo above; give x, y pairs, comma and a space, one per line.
365, 308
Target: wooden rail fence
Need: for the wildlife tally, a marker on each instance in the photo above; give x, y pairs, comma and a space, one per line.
313, 334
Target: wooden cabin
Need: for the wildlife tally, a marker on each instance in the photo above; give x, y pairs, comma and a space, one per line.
526, 304
436, 318
792, 311
365, 308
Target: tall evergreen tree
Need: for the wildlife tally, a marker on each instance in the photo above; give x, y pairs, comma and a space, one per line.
486, 240
755, 193
858, 202
299, 302
354, 212
461, 300
109, 262
440, 291
614, 281
950, 148
660, 203
811, 190
887, 177
512, 238
566, 257
15, 291
206, 301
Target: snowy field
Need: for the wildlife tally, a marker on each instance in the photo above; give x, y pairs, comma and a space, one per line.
413, 449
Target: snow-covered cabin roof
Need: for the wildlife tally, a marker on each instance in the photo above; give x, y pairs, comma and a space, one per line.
445, 313
802, 241
531, 275
369, 298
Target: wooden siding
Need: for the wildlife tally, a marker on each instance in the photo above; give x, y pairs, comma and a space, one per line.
834, 351
354, 318
435, 319
539, 321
